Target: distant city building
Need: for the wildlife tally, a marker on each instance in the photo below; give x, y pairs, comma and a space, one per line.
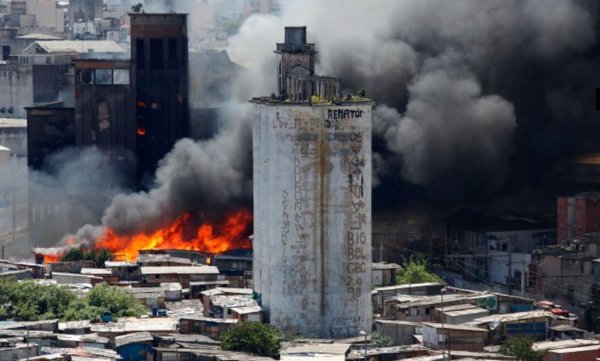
85, 10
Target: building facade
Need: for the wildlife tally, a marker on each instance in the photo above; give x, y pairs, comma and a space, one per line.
159, 73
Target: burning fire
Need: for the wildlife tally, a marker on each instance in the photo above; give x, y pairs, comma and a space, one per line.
207, 237
210, 238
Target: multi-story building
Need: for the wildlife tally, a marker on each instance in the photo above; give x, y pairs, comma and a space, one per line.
578, 215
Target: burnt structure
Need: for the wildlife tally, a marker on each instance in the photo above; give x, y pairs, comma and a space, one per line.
159, 73
104, 108
296, 77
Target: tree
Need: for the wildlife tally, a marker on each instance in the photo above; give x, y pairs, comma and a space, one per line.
521, 348
105, 298
29, 301
252, 337
416, 270
137, 8
73, 255
98, 256
381, 340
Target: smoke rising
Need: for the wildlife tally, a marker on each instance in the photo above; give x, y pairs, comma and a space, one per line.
75, 188
468, 92
206, 178
203, 177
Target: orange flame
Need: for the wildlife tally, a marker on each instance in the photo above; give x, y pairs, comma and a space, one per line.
52, 258
206, 238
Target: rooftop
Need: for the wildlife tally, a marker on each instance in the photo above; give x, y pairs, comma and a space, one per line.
552, 345
187, 270
132, 324
96, 271
130, 338
332, 348
511, 317
576, 349
463, 327
74, 46
13, 123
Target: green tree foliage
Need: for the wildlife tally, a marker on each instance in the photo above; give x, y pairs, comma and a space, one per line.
29, 301
416, 270
137, 8
521, 348
73, 255
381, 340
252, 337
111, 299
98, 256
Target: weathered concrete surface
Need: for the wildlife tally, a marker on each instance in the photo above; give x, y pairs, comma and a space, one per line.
312, 216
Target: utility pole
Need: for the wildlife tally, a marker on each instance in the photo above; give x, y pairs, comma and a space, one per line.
509, 265
381, 251
522, 277
14, 218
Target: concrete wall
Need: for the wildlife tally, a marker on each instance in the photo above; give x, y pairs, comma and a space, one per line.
312, 217
16, 83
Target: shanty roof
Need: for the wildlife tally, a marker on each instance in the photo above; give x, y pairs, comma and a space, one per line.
84, 353
511, 317
208, 283
576, 349
400, 288
227, 290
214, 353
115, 264
247, 309
231, 301
89, 337
149, 258
73, 325
552, 345
315, 348
435, 300
462, 327
39, 37
13, 123
384, 266
137, 337
74, 46
132, 324
185, 270
96, 271
12, 325
188, 338
196, 317
466, 311
398, 322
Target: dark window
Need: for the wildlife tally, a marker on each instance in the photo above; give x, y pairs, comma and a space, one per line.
156, 53
86, 76
172, 53
140, 54
5, 52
